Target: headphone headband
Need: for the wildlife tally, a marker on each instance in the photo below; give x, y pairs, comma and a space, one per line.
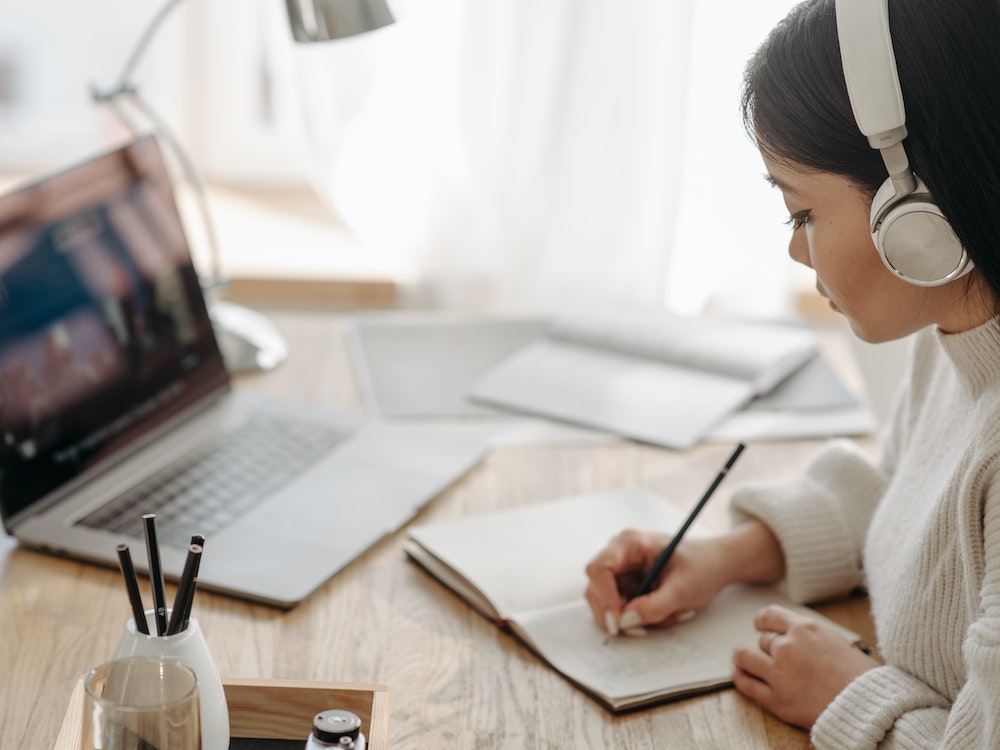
873, 84
870, 70
911, 234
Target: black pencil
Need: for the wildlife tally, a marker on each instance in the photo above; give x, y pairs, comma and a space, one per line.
664, 557
185, 591
189, 599
155, 573
132, 587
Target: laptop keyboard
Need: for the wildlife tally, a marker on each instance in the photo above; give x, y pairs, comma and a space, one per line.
208, 488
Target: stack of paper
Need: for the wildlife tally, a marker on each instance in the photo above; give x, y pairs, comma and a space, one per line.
609, 371
647, 374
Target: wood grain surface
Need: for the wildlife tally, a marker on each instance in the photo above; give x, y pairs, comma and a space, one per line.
456, 681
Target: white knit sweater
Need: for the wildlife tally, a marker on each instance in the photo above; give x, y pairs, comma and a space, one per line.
920, 528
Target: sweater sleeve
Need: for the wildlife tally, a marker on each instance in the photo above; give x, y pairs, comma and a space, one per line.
820, 518
887, 708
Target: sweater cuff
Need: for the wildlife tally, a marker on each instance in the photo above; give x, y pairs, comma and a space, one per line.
868, 708
819, 519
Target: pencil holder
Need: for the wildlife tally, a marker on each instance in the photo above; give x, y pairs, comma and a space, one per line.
188, 647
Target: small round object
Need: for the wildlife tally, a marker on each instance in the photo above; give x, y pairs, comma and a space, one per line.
766, 639
331, 725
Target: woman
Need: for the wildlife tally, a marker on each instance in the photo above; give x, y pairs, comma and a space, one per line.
920, 526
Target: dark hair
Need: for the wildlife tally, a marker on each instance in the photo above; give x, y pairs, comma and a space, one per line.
796, 108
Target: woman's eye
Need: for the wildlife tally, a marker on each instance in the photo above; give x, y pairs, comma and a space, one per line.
798, 220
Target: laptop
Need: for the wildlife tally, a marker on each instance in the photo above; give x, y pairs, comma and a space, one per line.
115, 402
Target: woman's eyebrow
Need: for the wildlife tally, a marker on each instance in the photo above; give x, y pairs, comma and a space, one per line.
775, 182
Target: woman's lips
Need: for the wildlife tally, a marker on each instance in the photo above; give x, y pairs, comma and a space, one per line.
824, 295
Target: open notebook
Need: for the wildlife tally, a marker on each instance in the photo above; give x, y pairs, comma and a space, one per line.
524, 568
645, 373
421, 365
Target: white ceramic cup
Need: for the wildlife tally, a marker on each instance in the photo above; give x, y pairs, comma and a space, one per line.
188, 647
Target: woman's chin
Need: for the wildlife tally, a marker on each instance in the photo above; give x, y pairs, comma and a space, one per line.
870, 336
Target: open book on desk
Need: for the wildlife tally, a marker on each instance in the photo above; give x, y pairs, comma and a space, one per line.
525, 567
419, 365
645, 373
810, 403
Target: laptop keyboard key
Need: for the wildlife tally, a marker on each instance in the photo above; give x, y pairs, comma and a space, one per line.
207, 489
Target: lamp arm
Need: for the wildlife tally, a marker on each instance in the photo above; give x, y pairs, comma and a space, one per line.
125, 79
215, 278
126, 88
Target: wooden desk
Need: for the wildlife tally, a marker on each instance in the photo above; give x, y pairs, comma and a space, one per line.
456, 681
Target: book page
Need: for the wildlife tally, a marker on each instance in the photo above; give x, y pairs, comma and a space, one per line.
749, 350
694, 655
528, 563
793, 424
813, 386
811, 402
642, 399
675, 659
533, 557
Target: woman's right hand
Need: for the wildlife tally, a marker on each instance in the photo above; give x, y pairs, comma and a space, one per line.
699, 568
695, 573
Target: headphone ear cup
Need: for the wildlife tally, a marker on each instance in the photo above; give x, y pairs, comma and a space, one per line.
914, 239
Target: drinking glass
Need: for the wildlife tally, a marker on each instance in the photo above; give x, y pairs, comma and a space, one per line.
141, 703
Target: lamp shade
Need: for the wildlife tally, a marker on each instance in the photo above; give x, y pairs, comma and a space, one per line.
323, 20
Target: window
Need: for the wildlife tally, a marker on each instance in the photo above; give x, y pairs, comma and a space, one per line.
475, 135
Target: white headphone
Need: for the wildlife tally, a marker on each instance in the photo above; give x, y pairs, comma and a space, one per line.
913, 238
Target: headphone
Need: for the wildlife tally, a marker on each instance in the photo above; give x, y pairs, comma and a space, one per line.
913, 238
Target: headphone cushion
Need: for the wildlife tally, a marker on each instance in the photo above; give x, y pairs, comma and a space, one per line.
914, 239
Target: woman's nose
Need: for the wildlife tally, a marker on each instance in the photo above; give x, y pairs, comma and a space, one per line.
798, 249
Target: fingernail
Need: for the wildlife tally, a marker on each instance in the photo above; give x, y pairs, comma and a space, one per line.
685, 616
629, 620
636, 632
610, 623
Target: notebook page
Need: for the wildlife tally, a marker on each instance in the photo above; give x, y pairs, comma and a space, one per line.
533, 557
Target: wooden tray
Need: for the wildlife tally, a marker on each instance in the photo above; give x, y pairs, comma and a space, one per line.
274, 709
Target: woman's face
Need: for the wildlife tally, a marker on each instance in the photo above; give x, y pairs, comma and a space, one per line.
829, 223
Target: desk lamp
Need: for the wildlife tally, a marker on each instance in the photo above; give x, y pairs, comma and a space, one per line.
249, 341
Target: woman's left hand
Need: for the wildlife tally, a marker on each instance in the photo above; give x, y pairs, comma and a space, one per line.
799, 666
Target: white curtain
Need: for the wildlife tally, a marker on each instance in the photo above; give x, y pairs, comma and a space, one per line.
730, 244
524, 153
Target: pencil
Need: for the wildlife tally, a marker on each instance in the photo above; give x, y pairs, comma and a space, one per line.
185, 591
132, 587
664, 557
155, 573
189, 599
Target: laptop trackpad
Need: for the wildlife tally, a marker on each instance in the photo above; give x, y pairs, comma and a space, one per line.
313, 528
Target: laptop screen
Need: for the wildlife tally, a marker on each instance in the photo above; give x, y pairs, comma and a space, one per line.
104, 333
